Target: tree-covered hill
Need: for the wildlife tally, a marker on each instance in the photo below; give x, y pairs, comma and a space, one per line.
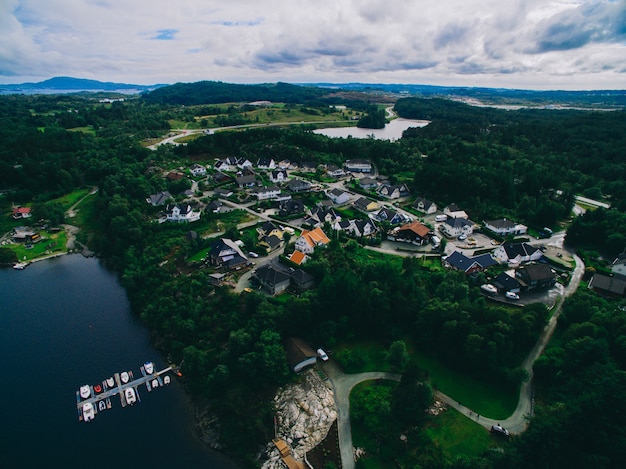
214, 92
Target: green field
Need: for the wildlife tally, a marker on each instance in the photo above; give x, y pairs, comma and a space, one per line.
50, 243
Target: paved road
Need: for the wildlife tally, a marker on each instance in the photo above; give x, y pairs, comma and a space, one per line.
342, 385
516, 423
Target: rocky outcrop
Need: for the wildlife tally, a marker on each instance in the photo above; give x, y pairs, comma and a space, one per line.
304, 413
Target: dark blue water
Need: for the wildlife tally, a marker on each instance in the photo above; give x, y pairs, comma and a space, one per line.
67, 322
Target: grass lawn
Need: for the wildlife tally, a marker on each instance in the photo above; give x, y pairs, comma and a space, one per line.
456, 435
86, 130
70, 199
50, 243
483, 397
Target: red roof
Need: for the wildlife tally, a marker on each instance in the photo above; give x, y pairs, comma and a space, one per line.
22, 210
297, 257
417, 228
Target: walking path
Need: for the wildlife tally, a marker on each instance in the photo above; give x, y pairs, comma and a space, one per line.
516, 423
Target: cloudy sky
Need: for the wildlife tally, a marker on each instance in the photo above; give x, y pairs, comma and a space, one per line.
532, 44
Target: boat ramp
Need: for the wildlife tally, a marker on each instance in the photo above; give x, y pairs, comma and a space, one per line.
93, 399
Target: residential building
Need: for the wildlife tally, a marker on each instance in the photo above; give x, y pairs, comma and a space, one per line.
290, 207
174, 176
453, 211
223, 192
197, 170
367, 183
24, 212
214, 206
358, 166
181, 213
504, 282
278, 175
317, 216
393, 191
609, 285
365, 205
535, 277
243, 163
414, 233
338, 196
517, 253
301, 280
309, 240
334, 171
275, 281
504, 227
619, 265
425, 206
454, 227
298, 257
249, 180
271, 242
266, 163
26, 235
225, 253
390, 216
299, 185
266, 193
361, 228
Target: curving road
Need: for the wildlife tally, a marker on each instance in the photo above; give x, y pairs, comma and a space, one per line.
516, 423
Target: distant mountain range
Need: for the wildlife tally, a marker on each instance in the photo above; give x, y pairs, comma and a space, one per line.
206, 92
74, 85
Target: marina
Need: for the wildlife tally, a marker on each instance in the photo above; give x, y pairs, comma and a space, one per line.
93, 399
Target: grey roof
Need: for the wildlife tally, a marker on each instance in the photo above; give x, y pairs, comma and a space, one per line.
337, 192
519, 249
460, 261
501, 223
612, 284
485, 260
362, 202
298, 184
300, 276
506, 282
268, 275
159, 198
426, 203
537, 272
457, 222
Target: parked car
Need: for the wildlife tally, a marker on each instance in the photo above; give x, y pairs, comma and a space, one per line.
511, 295
253, 254
322, 354
499, 430
462, 237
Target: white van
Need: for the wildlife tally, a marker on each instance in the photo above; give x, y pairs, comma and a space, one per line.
441, 217
436, 241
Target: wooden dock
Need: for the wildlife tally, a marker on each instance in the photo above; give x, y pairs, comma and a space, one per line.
119, 389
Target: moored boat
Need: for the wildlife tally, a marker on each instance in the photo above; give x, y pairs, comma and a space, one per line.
85, 391
88, 412
110, 382
129, 394
166, 379
97, 388
155, 383
102, 405
124, 377
149, 367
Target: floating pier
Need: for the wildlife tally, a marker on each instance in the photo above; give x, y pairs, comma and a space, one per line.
118, 388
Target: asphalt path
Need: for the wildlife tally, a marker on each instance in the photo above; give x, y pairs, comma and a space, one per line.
516, 423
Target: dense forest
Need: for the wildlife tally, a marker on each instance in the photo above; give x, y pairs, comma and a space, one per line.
526, 165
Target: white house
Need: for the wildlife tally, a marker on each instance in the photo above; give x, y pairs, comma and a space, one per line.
453, 211
393, 192
504, 227
243, 163
338, 196
197, 170
619, 265
334, 171
266, 163
454, 227
516, 253
361, 228
425, 206
266, 193
358, 166
309, 240
182, 213
278, 175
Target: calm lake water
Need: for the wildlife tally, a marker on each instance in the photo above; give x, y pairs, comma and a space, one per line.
66, 322
392, 131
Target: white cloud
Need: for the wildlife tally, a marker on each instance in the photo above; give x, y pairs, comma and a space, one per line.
571, 44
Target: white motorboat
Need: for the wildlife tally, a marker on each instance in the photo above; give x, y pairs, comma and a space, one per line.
85, 391
102, 405
110, 382
124, 377
166, 379
155, 383
149, 367
88, 412
129, 394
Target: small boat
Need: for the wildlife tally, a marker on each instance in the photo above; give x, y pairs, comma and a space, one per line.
166, 379
129, 394
124, 377
85, 392
88, 412
149, 367
102, 405
155, 383
20, 265
110, 382
97, 388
